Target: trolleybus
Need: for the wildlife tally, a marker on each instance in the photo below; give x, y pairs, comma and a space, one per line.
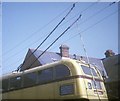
65, 79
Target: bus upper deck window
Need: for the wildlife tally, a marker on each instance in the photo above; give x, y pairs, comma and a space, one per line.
45, 75
29, 79
87, 70
61, 71
15, 82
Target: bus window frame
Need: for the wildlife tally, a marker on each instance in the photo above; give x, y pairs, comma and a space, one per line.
96, 84
23, 78
67, 93
45, 81
15, 77
55, 77
90, 69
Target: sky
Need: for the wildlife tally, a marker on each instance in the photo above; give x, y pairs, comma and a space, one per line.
26, 24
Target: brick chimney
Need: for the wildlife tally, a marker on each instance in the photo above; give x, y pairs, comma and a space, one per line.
109, 53
64, 51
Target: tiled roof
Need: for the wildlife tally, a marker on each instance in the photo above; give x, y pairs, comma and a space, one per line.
47, 57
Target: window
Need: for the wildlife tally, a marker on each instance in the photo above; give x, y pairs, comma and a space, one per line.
45, 75
94, 73
67, 89
97, 83
89, 85
5, 83
61, 71
15, 82
88, 70
30, 79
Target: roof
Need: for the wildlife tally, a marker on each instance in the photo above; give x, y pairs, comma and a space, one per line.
49, 57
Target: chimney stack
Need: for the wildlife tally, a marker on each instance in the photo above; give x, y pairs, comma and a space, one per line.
64, 51
109, 53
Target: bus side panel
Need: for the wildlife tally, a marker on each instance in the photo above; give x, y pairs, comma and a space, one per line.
81, 88
39, 92
29, 93
5, 95
16, 94
45, 91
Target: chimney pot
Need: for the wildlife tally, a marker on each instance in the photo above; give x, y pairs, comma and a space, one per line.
64, 51
109, 53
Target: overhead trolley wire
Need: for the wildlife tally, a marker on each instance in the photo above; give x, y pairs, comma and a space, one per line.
79, 33
91, 26
35, 32
48, 35
54, 29
98, 22
55, 40
91, 5
49, 23
106, 17
71, 18
92, 16
101, 10
89, 18
86, 28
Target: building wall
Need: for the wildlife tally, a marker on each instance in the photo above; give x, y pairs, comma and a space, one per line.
112, 65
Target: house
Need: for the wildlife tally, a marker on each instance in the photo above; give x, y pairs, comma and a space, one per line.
49, 57
112, 64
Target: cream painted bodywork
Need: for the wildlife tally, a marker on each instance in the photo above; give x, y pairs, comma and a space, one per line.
52, 90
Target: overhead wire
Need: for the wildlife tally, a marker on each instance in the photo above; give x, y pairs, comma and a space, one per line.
48, 24
68, 12
98, 12
91, 26
95, 14
81, 12
55, 40
91, 5
49, 35
71, 18
11, 56
85, 29
20, 51
97, 22
89, 18
30, 36
77, 34
56, 26
87, 55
